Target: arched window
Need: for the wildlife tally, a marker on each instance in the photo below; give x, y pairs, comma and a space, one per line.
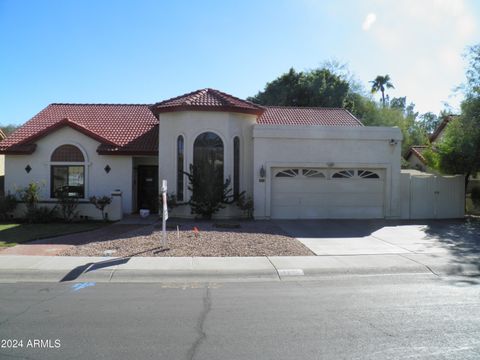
68, 176
236, 166
208, 156
180, 174
67, 153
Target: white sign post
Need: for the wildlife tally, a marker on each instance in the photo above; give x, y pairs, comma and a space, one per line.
164, 213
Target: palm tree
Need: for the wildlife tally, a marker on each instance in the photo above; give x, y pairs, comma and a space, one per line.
380, 84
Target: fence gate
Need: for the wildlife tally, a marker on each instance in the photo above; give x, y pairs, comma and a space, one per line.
436, 197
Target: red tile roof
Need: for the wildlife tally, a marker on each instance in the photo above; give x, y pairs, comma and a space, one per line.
207, 100
133, 129
281, 115
119, 128
417, 150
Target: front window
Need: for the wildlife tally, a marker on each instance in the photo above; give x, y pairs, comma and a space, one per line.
67, 172
236, 166
68, 179
208, 157
180, 175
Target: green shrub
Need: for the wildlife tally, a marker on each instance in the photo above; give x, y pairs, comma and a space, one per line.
475, 195
30, 195
101, 203
68, 205
246, 205
41, 214
209, 192
8, 203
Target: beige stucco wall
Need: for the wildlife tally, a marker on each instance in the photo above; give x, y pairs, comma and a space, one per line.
2, 165
191, 124
97, 181
319, 146
416, 163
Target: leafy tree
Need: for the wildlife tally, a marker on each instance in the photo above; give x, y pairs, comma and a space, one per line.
318, 87
429, 121
334, 86
381, 83
8, 129
458, 152
399, 103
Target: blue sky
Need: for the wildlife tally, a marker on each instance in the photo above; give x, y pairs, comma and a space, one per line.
120, 51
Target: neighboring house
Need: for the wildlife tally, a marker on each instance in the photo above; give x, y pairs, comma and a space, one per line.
414, 155
293, 162
2, 165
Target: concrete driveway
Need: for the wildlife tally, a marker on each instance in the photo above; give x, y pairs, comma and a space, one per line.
459, 238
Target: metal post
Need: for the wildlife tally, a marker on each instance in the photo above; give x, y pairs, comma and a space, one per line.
164, 213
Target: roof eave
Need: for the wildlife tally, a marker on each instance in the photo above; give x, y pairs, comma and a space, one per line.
177, 108
127, 152
22, 150
58, 125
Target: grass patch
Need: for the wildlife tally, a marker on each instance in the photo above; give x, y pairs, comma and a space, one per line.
12, 234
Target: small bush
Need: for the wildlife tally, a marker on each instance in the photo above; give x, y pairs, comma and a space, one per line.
8, 203
475, 195
41, 214
246, 205
171, 201
30, 195
101, 203
68, 205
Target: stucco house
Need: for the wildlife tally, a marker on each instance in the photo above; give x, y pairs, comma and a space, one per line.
2, 164
415, 154
293, 162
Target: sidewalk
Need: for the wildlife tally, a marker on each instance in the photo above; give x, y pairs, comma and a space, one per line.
160, 269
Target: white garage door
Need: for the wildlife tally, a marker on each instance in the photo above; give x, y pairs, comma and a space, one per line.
316, 193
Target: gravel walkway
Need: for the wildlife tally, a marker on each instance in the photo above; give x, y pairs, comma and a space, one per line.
252, 238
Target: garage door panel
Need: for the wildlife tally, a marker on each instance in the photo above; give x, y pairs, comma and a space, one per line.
309, 197
294, 185
341, 186
361, 212
356, 199
305, 212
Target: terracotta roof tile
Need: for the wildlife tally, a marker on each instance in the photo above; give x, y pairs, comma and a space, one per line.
133, 129
282, 115
417, 150
117, 125
207, 100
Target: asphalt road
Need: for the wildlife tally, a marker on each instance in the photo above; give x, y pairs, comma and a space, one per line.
360, 317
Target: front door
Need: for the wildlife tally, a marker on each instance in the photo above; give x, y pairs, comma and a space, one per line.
147, 196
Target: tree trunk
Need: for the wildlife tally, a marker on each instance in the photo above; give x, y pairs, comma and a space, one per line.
467, 176
383, 98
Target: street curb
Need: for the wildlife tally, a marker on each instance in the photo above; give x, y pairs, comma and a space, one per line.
120, 270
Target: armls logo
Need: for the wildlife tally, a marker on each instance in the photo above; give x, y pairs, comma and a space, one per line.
44, 344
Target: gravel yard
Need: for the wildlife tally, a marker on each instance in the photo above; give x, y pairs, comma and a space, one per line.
251, 238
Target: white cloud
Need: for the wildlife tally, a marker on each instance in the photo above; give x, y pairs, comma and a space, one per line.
369, 21
420, 44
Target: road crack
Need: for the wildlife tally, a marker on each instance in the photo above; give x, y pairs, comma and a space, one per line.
207, 305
